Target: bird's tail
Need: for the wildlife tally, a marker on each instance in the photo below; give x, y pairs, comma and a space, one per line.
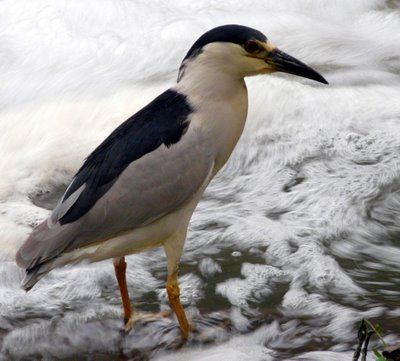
42, 249
33, 275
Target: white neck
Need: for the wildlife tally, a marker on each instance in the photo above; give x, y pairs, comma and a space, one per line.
219, 99
208, 84
211, 75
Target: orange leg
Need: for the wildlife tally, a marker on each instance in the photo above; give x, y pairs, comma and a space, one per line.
173, 295
120, 269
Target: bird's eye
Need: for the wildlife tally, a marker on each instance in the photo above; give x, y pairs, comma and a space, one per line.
251, 46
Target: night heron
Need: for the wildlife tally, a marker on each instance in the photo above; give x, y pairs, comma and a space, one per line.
139, 187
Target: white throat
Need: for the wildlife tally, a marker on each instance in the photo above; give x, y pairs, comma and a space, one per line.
212, 74
218, 95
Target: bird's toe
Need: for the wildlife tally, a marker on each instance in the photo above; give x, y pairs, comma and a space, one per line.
144, 318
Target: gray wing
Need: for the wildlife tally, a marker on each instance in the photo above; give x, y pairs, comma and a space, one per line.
149, 188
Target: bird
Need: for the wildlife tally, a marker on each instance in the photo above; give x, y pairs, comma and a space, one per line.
139, 188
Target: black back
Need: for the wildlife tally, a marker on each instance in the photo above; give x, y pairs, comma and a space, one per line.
163, 121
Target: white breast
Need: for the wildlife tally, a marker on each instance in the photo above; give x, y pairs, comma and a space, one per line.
223, 122
219, 98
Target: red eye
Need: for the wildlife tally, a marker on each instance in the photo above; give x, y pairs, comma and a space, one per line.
251, 46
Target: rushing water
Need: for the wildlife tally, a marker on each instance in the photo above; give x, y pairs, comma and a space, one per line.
294, 242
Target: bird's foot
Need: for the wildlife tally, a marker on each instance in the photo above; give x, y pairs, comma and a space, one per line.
144, 317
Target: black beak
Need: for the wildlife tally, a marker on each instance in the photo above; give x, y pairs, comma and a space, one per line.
287, 64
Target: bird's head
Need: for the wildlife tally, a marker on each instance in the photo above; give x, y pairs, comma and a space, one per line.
240, 51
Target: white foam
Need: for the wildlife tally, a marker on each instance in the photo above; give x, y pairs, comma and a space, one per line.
257, 284
309, 201
240, 348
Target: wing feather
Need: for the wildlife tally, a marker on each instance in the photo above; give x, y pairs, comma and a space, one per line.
163, 121
151, 187
148, 167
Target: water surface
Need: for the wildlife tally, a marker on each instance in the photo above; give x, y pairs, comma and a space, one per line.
294, 242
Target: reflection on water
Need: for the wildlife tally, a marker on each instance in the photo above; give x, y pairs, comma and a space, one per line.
294, 242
